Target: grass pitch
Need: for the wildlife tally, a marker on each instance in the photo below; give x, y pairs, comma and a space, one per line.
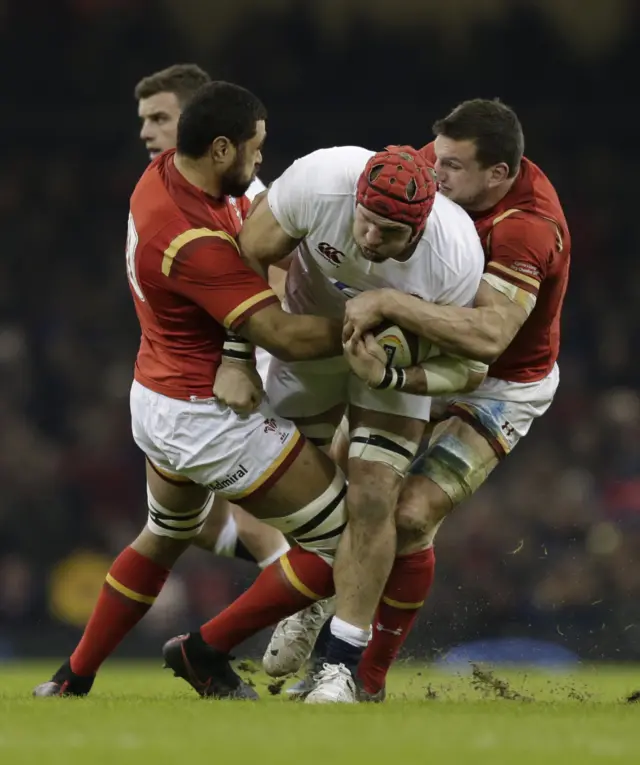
140, 714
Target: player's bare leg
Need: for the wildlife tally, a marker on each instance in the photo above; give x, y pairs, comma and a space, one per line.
309, 499
303, 638
294, 638
457, 462
231, 532
177, 511
382, 447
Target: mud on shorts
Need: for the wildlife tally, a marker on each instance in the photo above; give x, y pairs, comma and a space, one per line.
500, 412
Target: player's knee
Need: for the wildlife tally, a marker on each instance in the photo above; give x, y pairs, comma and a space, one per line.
182, 525
319, 525
372, 494
421, 509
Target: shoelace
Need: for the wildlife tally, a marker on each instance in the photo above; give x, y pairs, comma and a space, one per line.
330, 671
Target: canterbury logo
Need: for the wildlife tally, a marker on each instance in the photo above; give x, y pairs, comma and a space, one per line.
330, 253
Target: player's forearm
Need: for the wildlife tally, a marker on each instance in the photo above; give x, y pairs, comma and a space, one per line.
444, 375
304, 337
475, 333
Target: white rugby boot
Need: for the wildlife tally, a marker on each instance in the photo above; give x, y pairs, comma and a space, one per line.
334, 684
293, 639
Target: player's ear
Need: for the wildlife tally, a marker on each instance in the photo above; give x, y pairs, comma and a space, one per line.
221, 149
498, 174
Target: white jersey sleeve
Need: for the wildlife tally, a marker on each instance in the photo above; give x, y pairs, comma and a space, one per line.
256, 187
290, 196
313, 185
459, 261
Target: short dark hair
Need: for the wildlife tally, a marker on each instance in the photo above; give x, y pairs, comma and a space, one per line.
218, 109
494, 128
182, 79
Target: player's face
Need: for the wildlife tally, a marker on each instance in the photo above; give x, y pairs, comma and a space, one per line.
379, 238
460, 176
246, 162
159, 115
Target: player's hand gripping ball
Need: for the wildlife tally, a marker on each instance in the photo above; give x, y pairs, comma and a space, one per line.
403, 347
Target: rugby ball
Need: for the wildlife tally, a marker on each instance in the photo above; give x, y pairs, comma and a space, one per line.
403, 348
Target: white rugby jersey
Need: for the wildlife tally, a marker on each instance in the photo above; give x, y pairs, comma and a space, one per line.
314, 200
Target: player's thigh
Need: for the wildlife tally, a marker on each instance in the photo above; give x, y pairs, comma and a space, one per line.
321, 429
458, 459
261, 462
381, 449
177, 494
305, 501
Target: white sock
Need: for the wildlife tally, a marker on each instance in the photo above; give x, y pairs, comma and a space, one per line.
353, 635
274, 556
226, 542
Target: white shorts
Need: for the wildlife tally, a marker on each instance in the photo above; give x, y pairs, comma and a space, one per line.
504, 410
207, 443
263, 361
307, 388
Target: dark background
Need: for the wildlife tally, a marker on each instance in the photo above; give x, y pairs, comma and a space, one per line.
550, 548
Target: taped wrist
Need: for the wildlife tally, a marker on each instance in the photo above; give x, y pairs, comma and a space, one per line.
237, 348
393, 379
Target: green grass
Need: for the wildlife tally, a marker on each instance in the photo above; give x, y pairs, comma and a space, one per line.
139, 714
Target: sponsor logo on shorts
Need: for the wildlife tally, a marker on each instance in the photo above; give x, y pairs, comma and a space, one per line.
229, 480
328, 252
271, 426
508, 429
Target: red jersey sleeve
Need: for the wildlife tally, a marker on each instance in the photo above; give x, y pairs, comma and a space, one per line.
205, 266
521, 249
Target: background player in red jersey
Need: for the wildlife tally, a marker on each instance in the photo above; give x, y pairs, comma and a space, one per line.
193, 293
161, 96
514, 326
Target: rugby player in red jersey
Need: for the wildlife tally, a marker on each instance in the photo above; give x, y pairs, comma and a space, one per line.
229, 530
198, 302
514, 326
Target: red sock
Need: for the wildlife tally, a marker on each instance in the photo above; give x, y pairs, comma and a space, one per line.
133, 583
295, 580
405, 592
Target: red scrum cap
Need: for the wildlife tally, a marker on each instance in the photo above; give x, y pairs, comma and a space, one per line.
398, 184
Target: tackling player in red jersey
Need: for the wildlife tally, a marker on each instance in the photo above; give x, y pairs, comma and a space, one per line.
514, 326
161, 97
192, 294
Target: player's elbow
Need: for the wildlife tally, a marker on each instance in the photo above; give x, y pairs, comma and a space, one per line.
488, 344
487, 350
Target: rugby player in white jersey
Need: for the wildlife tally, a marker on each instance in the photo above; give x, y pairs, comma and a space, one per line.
359, 221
